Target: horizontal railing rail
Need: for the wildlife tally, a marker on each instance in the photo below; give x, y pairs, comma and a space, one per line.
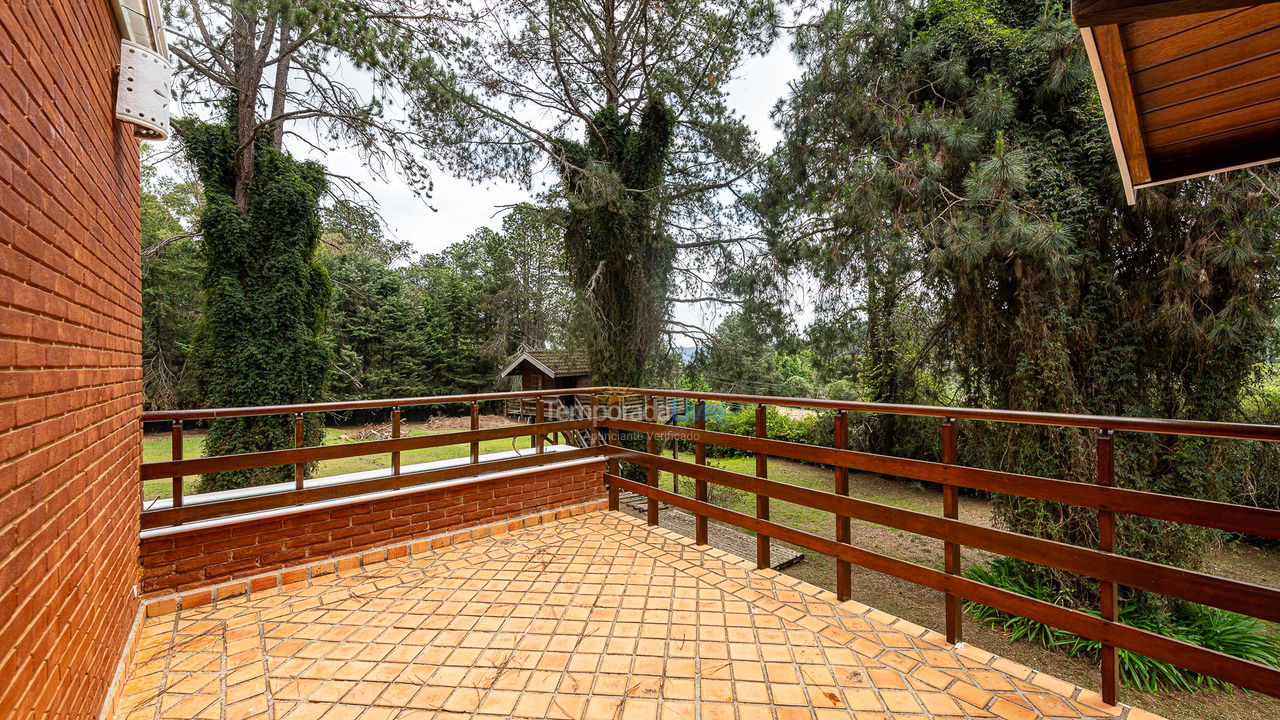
178, 469
1160, 426
1109, 568
1241, 519
601, 414
347, 405
274, 458
1166, 426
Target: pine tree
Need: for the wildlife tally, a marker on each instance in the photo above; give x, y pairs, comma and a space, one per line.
956, 150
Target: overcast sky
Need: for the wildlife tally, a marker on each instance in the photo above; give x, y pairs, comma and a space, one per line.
461, 207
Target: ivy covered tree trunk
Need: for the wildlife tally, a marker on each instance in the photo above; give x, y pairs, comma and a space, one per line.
265, 297
619, 257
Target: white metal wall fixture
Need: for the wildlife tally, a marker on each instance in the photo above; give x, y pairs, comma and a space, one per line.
142, 91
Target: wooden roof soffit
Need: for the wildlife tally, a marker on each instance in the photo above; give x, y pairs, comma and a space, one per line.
1188, 87
1091, 13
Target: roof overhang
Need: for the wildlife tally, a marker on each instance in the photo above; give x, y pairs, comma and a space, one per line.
526, 357
1188, 87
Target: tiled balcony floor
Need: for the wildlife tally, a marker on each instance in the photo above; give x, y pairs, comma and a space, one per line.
593, 617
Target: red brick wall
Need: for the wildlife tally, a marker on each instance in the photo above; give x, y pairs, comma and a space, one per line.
200, 558
70, 378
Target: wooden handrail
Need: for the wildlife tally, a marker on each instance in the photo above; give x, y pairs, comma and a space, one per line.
344, 405
272, 458
609, 418
1243, 519
1162, 426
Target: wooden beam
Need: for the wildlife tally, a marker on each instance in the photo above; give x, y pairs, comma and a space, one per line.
1108, 111
1093, 13
1123, 103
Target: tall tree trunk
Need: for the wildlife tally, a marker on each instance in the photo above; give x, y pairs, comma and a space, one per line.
280, 90
248, 76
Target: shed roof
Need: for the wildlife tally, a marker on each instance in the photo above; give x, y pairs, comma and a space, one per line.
1189, 87
555, 363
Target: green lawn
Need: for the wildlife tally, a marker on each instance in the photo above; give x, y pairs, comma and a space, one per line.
156, 448
902, 495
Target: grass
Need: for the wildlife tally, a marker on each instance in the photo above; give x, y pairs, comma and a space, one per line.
808, 476
156, 448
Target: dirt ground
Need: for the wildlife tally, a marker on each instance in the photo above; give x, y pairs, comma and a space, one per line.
907, 600
440, 423
435, 424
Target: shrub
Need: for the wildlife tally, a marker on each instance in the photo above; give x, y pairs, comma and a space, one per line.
741, 420
1219, 630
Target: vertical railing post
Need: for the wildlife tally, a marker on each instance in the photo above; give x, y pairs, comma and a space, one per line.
475, 425
1106, 543
844, 581
175, 437
594, 438
675, 443
762, 501
299, 439
699, 485
950, 550
539, 440
651, 446
611, 465
395, 434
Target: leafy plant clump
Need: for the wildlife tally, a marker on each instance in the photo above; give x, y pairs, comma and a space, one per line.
1220, 630
266, 298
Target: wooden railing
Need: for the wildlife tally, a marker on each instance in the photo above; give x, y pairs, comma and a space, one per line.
1109, 568
604, 418
177, 469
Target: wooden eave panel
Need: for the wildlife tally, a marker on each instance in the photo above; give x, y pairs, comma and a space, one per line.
1194, 41
1092, 13
1230, 106
1193, 94
1226, 80
1111, 56
1171, 146
1214, 59
1138, 34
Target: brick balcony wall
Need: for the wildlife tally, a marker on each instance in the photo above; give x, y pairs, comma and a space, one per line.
206, 557
70, 377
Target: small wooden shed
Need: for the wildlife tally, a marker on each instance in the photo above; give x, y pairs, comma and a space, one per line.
547, 369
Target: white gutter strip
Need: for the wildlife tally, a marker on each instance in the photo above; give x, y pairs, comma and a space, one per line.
347, 478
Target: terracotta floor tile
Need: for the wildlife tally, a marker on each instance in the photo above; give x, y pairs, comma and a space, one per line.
590, 617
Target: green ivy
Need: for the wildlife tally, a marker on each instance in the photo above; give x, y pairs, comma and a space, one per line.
259, 342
